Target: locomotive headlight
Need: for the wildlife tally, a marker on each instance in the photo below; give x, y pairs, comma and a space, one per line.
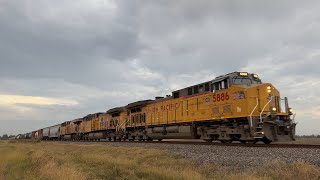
290, 111
269, 89
243, 74
274, 109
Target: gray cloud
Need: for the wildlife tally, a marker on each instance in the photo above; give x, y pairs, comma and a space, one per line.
103, 54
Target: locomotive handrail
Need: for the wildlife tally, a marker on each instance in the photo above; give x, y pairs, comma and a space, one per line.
251, 122
119, 125
265, 107
293, 117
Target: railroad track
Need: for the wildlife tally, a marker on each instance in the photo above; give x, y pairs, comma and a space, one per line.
200, 143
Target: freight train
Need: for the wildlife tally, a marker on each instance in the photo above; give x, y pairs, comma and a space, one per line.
234, 107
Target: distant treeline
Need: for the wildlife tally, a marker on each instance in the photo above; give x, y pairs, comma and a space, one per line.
5, 137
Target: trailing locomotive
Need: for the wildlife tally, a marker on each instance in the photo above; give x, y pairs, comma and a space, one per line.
232, 107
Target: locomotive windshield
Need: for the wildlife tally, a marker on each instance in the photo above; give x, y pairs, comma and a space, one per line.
245, 80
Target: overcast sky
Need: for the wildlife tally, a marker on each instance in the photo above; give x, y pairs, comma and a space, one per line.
64, 59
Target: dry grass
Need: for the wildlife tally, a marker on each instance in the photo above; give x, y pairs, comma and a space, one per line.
314, 141
307, 141
49, 160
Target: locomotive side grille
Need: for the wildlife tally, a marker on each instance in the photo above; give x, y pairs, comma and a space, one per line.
227, 109
215, 110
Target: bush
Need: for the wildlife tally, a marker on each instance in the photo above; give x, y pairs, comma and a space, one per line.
5, 137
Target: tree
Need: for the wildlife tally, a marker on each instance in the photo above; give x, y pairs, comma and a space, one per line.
5, 137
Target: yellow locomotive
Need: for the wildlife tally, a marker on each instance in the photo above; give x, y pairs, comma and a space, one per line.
232, 107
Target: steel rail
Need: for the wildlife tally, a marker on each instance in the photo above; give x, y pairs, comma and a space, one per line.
309, 146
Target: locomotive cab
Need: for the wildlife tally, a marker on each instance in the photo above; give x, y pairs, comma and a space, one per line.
269, 115
275, 121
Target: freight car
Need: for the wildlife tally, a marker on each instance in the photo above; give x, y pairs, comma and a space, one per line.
28, 135
233, 107
51, 133
38, 134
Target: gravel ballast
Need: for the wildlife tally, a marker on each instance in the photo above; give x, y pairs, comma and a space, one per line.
232, 155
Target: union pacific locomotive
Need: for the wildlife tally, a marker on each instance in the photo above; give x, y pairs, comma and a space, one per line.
233, 107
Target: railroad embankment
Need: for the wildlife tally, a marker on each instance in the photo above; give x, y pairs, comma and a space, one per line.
54, 160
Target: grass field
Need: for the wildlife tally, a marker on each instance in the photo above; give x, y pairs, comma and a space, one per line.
306, 141
50, 160
314, 141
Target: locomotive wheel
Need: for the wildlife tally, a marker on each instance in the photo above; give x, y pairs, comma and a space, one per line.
208, 140
252, 142
266, 141
226, 141
243, 141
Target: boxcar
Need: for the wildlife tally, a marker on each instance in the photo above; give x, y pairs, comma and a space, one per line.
54, 132
46, 133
